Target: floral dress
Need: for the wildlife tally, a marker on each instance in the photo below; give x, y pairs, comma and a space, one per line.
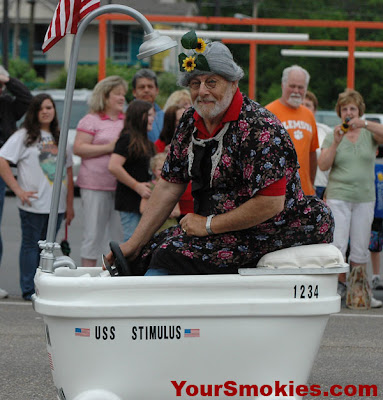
227, 170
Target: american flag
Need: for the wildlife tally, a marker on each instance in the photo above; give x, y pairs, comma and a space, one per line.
191, 333
82, 332
67, 15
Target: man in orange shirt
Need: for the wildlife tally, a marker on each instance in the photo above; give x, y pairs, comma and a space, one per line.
299, 122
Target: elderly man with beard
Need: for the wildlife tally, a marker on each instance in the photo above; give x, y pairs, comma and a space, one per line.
247, 194
299, 123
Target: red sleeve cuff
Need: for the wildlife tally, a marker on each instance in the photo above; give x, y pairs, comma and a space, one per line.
277, 188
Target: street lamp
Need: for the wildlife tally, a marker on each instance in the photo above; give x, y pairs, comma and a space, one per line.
153, 43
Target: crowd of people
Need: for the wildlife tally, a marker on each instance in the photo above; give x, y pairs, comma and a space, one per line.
208, 184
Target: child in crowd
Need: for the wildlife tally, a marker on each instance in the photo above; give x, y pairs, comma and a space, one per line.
171, 119
376, 241
156, 164
129, 163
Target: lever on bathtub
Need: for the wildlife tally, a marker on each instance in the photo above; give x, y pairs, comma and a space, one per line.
64, 261
49, 262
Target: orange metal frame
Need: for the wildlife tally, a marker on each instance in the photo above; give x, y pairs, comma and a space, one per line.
351, 43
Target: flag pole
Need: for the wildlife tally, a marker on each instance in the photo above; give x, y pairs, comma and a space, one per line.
48, 246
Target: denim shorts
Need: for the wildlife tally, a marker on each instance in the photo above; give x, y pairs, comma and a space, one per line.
376, 242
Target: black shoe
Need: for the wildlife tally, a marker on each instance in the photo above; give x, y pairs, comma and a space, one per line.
121, 262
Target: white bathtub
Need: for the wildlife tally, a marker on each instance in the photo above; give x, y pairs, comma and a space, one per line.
129, 338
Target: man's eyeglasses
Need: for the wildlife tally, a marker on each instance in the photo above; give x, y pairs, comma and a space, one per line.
209, 84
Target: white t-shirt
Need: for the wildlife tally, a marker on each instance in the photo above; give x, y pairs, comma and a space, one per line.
321, 177
36, 167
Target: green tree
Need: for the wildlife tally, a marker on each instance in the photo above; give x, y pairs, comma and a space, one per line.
21, 70
167, 83
328, 75
87, 77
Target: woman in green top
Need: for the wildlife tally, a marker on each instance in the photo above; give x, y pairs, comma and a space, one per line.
350, 153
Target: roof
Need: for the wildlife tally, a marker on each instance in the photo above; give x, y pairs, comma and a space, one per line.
159, 7
44, 9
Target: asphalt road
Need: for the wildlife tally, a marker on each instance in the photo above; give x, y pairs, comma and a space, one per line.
351, 352
11, 235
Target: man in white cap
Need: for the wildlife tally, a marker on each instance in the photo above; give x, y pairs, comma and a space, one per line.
13, 106
248, 199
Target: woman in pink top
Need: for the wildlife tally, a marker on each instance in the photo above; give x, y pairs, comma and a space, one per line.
96, 136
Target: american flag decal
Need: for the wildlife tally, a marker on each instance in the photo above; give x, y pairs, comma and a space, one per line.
82, 332
191, 333
51, 361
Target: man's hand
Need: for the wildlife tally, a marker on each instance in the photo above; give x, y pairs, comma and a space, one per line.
194, 225
110, 258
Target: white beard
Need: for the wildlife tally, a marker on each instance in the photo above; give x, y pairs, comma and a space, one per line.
219, 107
295, 100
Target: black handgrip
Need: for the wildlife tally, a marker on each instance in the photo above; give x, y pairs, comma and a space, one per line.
112, 269
121, 262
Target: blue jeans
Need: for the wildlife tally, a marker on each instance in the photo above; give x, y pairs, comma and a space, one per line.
2, 197
319, 190
33, 228
156, 272
129, 222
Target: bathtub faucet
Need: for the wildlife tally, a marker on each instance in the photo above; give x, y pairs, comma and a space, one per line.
49, 262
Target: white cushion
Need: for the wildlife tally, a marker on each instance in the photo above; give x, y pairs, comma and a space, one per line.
308, 256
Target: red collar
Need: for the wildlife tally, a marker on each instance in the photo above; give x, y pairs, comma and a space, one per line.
231, 114
104, 116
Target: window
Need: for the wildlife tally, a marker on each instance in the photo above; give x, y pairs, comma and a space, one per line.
126, 41
121, 45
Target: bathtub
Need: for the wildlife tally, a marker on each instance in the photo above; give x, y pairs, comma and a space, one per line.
239, 336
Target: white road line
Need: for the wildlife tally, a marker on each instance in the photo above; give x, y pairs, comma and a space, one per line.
357, 315
16, 303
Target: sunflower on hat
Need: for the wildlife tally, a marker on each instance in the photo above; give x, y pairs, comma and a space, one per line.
197, 60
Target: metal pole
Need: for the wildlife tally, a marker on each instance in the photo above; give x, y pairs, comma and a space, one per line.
70, 84
253, 53
16, 34
217, 13
5, 34
31, 29
351, 58
102, 33
109, 30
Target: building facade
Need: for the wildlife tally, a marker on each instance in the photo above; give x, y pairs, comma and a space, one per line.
124, 37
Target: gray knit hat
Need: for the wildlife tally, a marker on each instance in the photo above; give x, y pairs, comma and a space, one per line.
207, 58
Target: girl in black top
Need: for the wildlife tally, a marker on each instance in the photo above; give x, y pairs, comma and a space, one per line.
129, 163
